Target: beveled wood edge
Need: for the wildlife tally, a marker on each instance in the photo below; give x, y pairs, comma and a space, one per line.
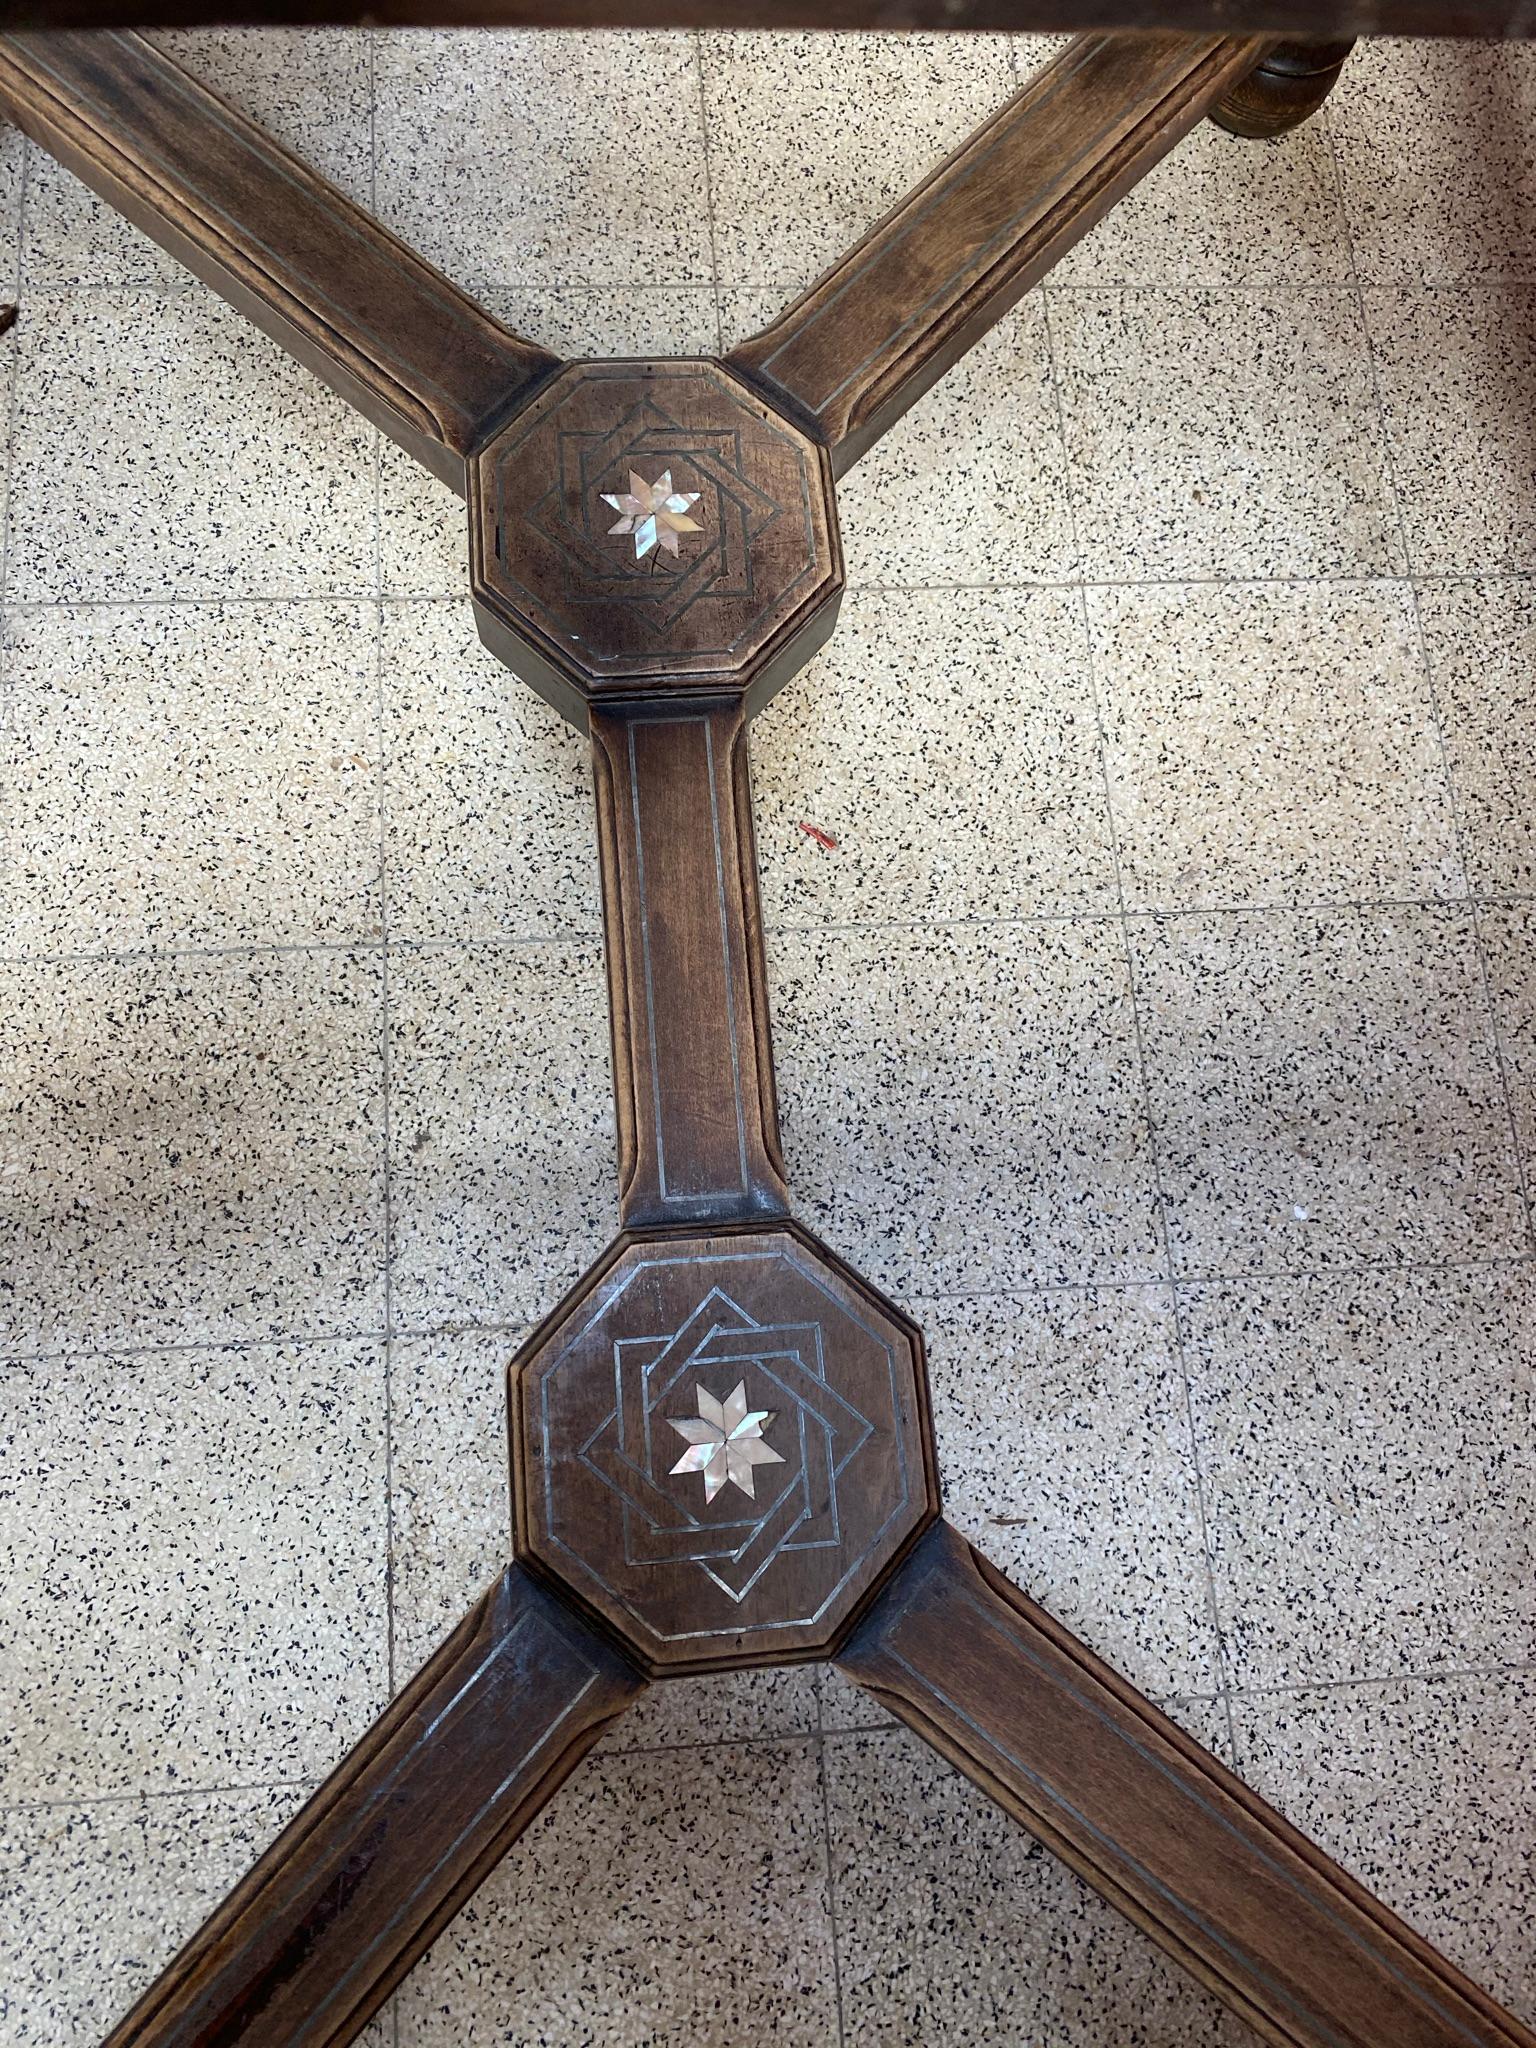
341, 293
160, 2018
856, 297
943, 1575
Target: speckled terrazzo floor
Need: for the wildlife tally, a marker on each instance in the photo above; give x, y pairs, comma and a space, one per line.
1163, 1030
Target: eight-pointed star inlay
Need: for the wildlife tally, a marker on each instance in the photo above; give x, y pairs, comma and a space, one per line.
725, 1441
654, 513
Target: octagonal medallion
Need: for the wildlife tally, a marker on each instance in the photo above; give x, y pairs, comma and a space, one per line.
641, 526
720, 1445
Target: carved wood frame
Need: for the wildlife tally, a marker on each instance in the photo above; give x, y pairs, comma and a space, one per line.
618, 1576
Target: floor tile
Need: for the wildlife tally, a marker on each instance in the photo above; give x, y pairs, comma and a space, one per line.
212, 466
1065, 1457
95, 1900
229, 1628
1481, 642
1369, 1500
1220, 210
503, 1179
488, 806
184, 775
1271, 743
308, 88
1509, 938
1436, 160
871, 115
981, 795
672, 1898
955, 1926
961, 1104
520, 156
195, 1150
1425, 1792
1325, 1090
1455, 370
1222, 434
14, 154
422, 529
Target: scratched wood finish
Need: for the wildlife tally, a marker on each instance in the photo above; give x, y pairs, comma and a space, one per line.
360, 1883
317, 273
878, 328
1233, 1892
693, 1071
1282, 91
1312, 18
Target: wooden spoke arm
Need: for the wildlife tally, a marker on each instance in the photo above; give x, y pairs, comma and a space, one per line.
311, 269
889, 319
361, 1882
693, 1073
1162, 1829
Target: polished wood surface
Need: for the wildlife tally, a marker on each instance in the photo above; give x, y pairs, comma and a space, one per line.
297, 257
359, 1884
1284, 89
883, 324
692, 1067
1252, 1908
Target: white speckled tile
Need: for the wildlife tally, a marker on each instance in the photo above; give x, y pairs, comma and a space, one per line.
677, 1898
872, 115
423, 533
1481, 643
231, 1629
308, 87
489, 822
961, 1104
1455, 370
1220, 210
982, 794
95, 1900
184, 775
526, 155
1271, 743
164, 449
1222, 434
194, 1149
1325, 1090
1368, 1493
503, 1177
14, 153
954, 1925
1425, 1791
1509, 941
1436, 159
1065, 1456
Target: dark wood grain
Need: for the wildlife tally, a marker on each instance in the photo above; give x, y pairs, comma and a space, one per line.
693, 1072
878, 328
1164, 1831
1312, 18
1286, 88
378, 1862
296, 256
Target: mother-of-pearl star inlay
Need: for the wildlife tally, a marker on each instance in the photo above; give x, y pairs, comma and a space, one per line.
725, 1441
654, 513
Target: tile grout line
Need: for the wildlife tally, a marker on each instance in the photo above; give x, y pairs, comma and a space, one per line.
830, 1860
697, 38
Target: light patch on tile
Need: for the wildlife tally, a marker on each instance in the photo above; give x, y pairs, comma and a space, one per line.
677, 1897
194, 1149
1369, 1494
504, 1183
978, 795
180, 776
1222, 434
1481, 641
1325, 1090
1065, 1457
164, 449
1271, 744
193, 1584
961, 1104
1425, 1792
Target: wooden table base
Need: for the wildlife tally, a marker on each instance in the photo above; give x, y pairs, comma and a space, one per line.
721, 1447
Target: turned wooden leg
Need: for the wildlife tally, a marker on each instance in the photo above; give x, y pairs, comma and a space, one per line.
1284, 90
